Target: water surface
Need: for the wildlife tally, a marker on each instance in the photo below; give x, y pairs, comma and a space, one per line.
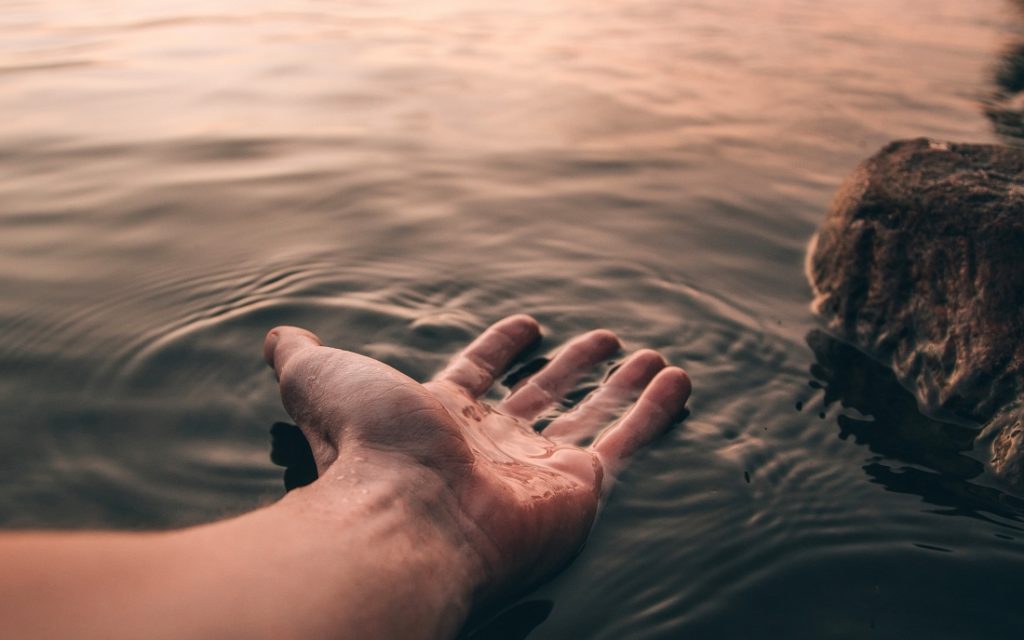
178, 177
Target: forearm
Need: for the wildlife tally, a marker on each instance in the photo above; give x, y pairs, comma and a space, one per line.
362, 560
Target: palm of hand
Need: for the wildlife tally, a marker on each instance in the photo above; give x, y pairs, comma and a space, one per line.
530, 496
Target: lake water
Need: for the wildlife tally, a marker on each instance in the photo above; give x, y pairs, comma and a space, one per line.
178, 177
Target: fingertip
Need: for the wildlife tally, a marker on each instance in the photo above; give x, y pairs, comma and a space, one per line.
603, 340
650, 359
269, 344
671, 389
680, 381
523, 319
281, 342
521, 328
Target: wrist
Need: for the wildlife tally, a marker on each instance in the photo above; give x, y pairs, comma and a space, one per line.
403, 522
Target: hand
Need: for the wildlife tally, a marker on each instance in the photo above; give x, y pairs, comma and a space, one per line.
523, 500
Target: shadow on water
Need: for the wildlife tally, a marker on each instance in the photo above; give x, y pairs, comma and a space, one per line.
514, 623
289, 449
891, 425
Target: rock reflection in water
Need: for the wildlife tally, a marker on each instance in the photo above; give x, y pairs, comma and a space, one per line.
891, 425
1005, 106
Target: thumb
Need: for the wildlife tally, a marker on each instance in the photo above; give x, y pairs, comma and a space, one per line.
282, 343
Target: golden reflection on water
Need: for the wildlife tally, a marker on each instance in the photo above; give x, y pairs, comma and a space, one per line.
459, 75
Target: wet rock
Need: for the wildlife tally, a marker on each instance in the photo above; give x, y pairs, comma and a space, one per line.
920, 262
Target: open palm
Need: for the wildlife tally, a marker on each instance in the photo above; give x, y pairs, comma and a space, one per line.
525, 498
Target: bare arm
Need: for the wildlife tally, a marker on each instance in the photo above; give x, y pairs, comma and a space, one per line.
313, 565
429, 503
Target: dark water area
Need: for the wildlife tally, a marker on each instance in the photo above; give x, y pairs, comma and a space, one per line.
176, 178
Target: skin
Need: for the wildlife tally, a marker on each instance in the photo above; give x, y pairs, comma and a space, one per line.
430, 504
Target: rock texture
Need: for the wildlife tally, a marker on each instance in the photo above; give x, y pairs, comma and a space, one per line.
920, 262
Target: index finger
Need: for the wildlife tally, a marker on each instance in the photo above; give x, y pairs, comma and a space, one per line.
476, 367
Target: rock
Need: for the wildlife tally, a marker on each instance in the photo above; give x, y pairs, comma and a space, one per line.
920, 262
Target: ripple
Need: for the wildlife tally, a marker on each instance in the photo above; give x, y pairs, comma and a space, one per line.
396, 176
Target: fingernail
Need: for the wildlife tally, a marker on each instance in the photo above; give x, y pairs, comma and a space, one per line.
269, 345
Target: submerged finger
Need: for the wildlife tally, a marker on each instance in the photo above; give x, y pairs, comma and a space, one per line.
284, 342
609, 400
552, 382
661, 404
476, 367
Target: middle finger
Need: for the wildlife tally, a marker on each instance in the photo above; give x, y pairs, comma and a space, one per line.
552, 382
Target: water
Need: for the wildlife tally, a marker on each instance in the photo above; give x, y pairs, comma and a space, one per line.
176, 178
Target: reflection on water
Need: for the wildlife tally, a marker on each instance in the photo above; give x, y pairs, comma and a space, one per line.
176, 178
894, 428
1005, 106
955, 496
